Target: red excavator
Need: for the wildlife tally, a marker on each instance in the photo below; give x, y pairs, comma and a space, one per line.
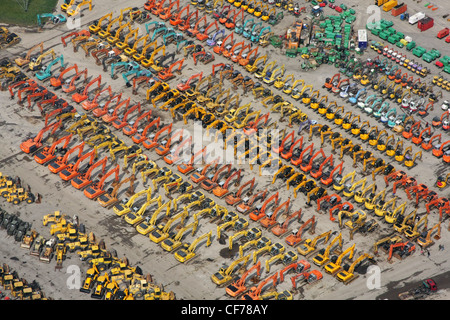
48, 153
33, 144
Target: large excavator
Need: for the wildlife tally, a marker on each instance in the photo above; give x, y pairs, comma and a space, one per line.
308, 247
295, 238
255, 292
226, 273
97, 188
48, 153
424, 240
187, 253
238, 287
109, 198
84, 180
258, 214
324, 254
270, 220
334, 267
348, 275
34, 144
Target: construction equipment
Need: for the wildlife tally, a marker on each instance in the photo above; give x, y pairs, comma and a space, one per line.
348, 275
308, 247
324, 254
84, 180
424, 240
295, 238
48, 153
260, 213
34, 144
255, 292
26, 58
226, 273
187, 252
412, 233
334, 267
238, 287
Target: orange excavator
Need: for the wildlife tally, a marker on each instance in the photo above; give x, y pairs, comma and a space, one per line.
96, 189
287, 154
132, 127
113, 114
80, 96
152, 143
298, 267
295, 238
220, 47
163, 148
202, 36
282, 228
122, 122
255, 292
193, 31
200, 174
234, 198
222, 190
184, 146
259, 213
247, 203
417, 138
402, 249
186, 85
253, 126
327, 178
139, 137
103, 109
69, 86
236, 288
307, 166
60, 163
208, 184
427, 144
279, 148
316, 173
308, 277
48, 153
56, 82
186, 168
72, 170
85, 179
297, 160
166, 74
438, 151
167, 12
34, 144
177, 19
184, 25
270, 220
89, 105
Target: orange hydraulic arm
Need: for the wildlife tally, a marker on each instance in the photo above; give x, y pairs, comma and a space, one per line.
80, 97
279, 149
186, 168
253, 126
132, 126
407, 134
237, 287
102, 110
244, 61
184, 25
417, 139
318, 173
111, 117
203, 36
221, 191
307, 167
208, 184
183, 86
166, 13
228, 53
287, 154
149, 144
235, 197
48, 153
163, 149
90, 105
61, 162
427, 145
194, 31
176, 20
296, 238
166, 74
119, 123
33, 144
57, 82
299, 160
281, 229
96, 189
85, 179
220, 48
254, 292
270, 220
327, 179
140, 137
70, 87
258, 214
71, 170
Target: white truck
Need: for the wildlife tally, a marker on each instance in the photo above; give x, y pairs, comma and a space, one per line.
415, 18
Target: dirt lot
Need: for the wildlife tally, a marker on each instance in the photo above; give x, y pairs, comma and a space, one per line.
193, 281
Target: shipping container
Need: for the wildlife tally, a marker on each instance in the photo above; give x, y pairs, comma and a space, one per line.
399, 9
443, 33
425, 24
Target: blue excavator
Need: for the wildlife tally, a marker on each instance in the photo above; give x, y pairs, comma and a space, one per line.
54, 18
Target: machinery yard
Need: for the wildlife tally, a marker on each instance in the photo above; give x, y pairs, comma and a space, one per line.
355, 206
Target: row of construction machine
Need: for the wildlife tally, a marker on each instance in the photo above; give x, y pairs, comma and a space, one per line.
108, 277
18, 287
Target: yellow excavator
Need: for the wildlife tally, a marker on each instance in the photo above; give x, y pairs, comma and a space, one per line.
334, 267
346, 276
125, 207
308, 247
172, 244
424, 240
324, 254
187, 253
226, 273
